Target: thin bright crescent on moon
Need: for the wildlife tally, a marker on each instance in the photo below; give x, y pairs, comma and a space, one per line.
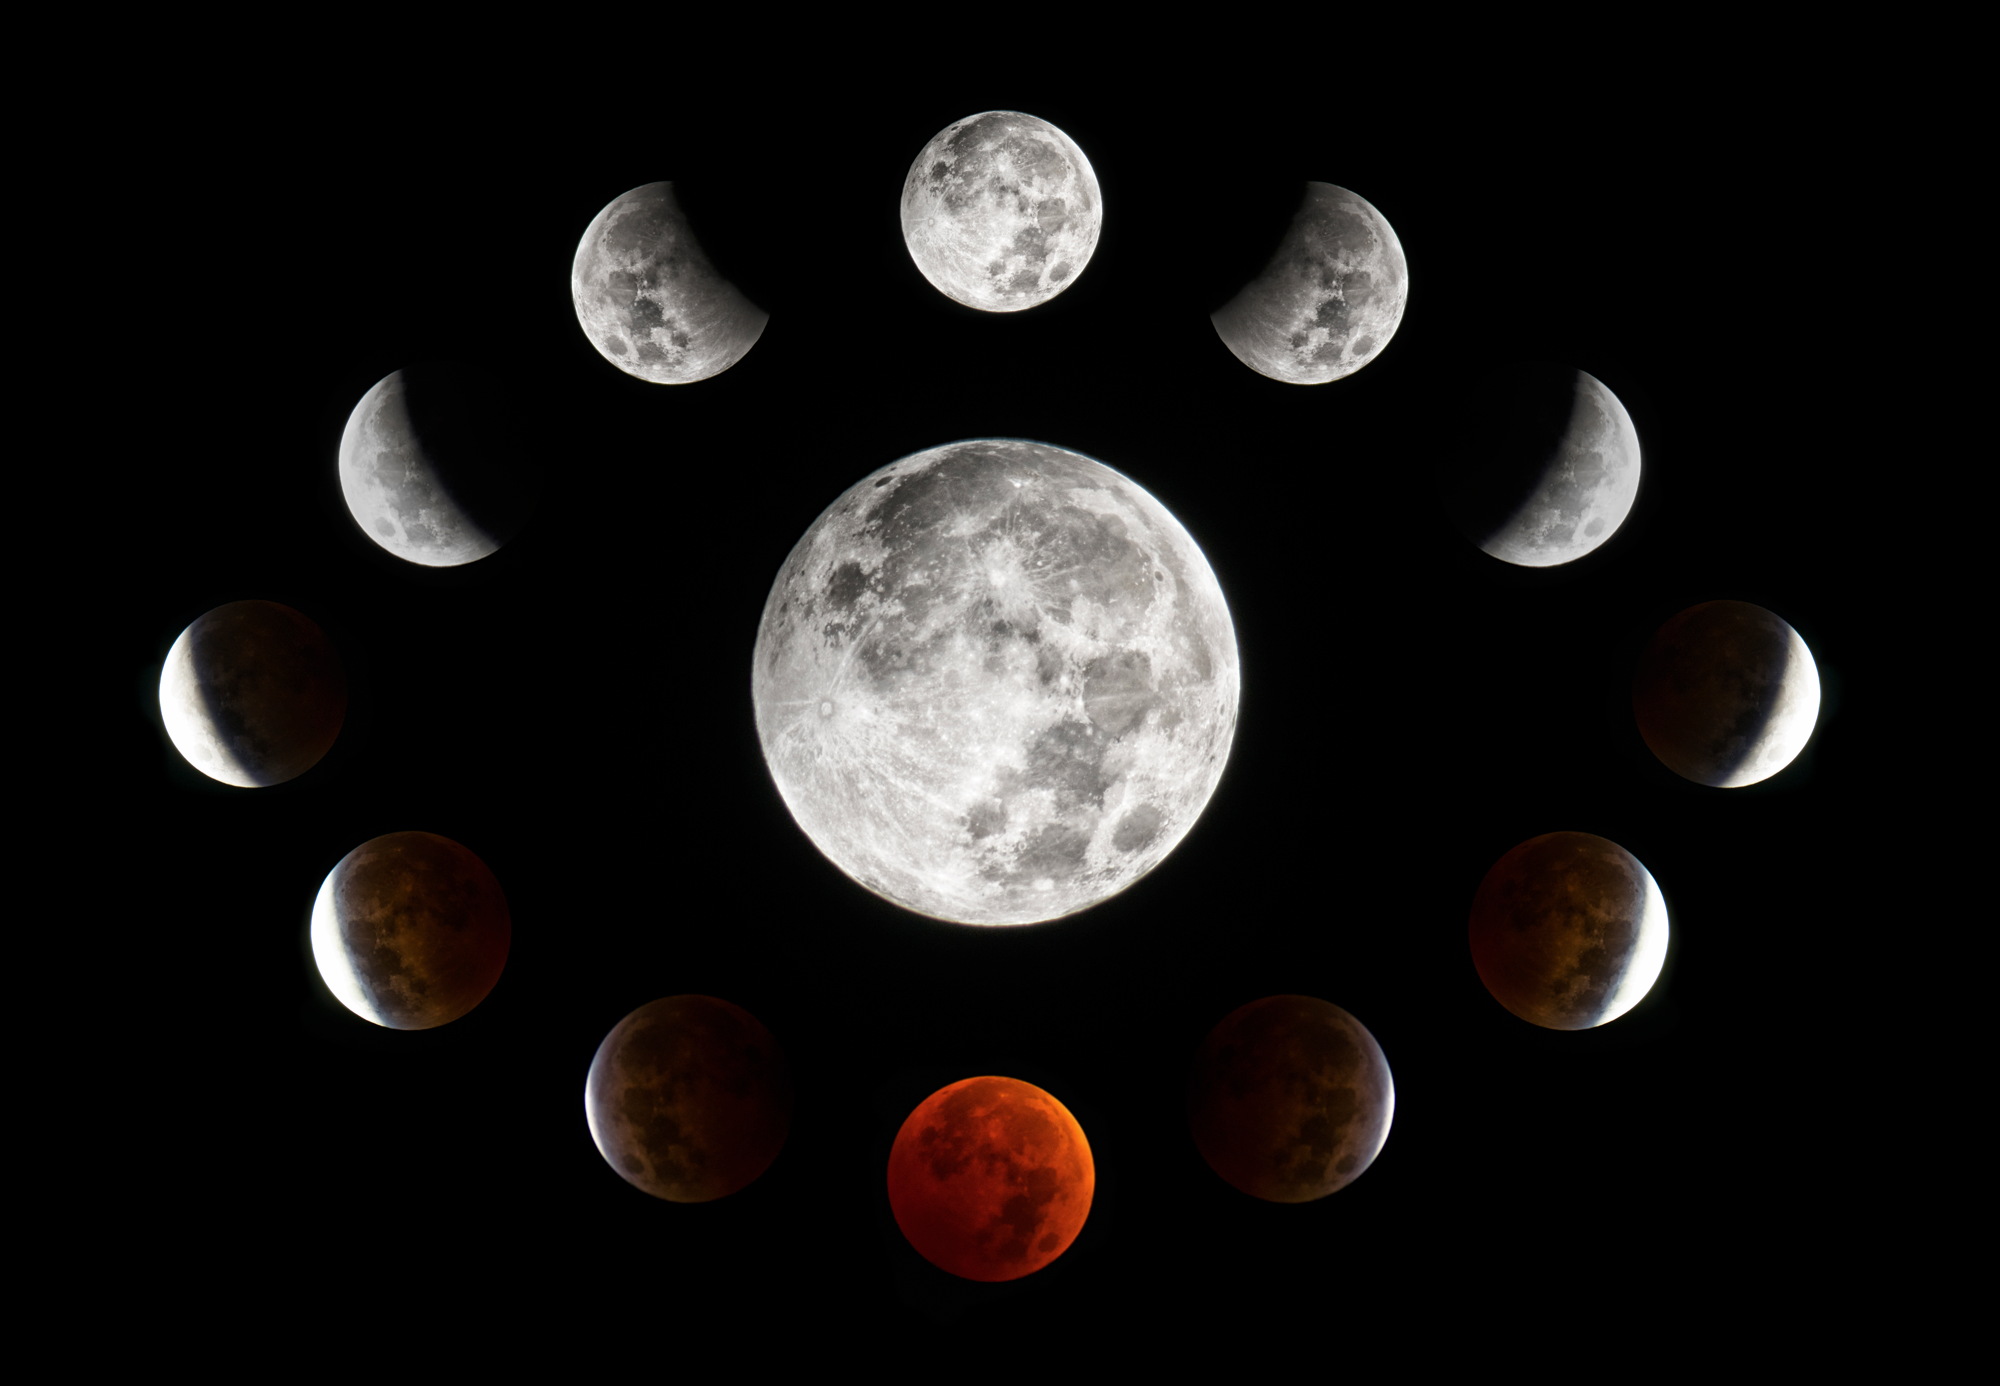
192, 733
1649, 954
1791, 721
336, 968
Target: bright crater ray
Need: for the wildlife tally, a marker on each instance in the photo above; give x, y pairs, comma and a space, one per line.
995, 682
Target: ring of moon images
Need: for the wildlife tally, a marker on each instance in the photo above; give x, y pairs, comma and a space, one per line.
995, 683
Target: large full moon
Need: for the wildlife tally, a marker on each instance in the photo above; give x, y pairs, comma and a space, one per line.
252, 694
649, 299
990, 1178
1290, 1098
410, 930
1001, 211
1329, 300
1568, 931
429, 466
688, 1098
1548, 467
1727, 694
995, 682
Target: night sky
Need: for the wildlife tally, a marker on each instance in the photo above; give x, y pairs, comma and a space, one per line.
576, 708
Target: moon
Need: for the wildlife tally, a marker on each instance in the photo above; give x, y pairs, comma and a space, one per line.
1727, 694
252, 694
1547, 468
1001, 211
1290, 1099
1568, 931
990, 1178
428, 468
688, 1098
995, 682
648, 298
410, 931
1329, 300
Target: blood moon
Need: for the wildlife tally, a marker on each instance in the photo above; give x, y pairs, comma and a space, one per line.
990, 1178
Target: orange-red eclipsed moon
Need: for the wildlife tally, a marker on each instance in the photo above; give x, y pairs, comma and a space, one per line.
990, 1178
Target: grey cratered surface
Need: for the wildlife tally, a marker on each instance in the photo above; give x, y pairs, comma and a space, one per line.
1727, 694
995, 682
1330, 298
424, 480
1001, 211
649, 299
252, 694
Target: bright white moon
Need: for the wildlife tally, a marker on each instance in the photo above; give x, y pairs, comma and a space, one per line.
1001, 211
995, 682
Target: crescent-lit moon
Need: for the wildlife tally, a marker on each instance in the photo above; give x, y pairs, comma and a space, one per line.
1001, 211
1330, 298
650, 300
1727, 694
252, 694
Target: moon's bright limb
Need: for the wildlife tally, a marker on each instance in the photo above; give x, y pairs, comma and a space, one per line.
410, 930
1727, 694
1290, 1098
1001, 211
252, 694
1568, 931
1329, 300
648, 298
995, 682
990, 1178
406, 475
688, 1098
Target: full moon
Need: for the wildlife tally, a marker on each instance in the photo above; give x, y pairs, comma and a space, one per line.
1001, 211
429, 469
648, 298
1568, 931
688, 1098
1548, 467
1290, 1098
1727, 694
995, 682
410, 931
990, 1178
1330, 298
252, 694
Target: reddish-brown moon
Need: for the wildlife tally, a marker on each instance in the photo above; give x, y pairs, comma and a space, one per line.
689, 1098
1290, 1098
991, 1178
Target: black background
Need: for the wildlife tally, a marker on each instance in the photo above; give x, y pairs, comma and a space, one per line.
575, 709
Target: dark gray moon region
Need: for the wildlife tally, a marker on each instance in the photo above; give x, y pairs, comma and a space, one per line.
688, 1098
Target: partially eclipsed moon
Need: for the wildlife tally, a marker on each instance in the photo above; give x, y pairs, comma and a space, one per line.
1727, 694
1001, 211
995, 682
252, 694
991, 1178
1569, 931
1329, 300
410, 930
648, 298
688, 1098
1290, 1098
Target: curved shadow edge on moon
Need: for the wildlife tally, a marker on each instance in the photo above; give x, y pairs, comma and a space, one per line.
1727, 694
252, 694
995, 682
1329, 300
1573, 496
648, 298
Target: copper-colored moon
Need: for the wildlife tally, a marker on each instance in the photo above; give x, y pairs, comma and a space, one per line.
990, 1178
252, 694
410, 930
1290, 1098
1727, 694
688, 1098
1569, 931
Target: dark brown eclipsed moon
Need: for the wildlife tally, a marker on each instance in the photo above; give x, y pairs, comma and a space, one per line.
410, 930
688, 1098
991, 1178
1290, 1098
1568, 931
252, 694
1727, 694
